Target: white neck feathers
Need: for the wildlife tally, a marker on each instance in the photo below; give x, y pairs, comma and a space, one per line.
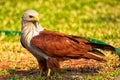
29, 30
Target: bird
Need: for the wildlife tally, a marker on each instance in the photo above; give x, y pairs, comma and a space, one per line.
49, 46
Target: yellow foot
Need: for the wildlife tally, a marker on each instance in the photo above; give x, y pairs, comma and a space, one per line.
48, 74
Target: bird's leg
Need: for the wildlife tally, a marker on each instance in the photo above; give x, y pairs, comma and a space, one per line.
52, 64
40, 70
42, 66
48, 73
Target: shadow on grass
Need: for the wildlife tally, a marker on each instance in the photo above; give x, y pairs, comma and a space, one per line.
65, 74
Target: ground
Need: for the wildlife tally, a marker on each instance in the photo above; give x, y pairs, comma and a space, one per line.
19, 62
87, 18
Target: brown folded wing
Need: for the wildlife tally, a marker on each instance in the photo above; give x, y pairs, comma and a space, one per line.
56, 44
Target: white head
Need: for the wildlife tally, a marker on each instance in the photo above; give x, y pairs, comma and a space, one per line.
30, 16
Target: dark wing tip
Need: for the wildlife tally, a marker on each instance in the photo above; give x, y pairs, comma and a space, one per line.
95, 51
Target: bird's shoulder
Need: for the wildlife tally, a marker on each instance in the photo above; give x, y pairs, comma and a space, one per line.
48, 35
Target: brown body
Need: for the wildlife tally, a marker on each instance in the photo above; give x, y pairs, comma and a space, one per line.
59, 45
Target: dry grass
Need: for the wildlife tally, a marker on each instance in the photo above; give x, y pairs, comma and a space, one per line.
14, 59
91, 18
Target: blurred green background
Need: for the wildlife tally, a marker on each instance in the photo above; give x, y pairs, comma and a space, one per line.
92, 18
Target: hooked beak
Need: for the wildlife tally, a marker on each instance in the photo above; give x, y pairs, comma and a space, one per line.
37, 18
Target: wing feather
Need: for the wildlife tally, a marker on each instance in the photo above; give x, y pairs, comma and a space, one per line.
59, 45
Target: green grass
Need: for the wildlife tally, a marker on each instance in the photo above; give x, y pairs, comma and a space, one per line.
73, 17
91, 18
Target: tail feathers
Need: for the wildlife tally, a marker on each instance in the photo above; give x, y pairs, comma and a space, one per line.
106, 47
94, 54
91, 55
102, 46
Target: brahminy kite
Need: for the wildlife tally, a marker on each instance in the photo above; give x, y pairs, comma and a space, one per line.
49, 46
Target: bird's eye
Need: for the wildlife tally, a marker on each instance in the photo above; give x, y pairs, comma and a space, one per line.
31, 16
